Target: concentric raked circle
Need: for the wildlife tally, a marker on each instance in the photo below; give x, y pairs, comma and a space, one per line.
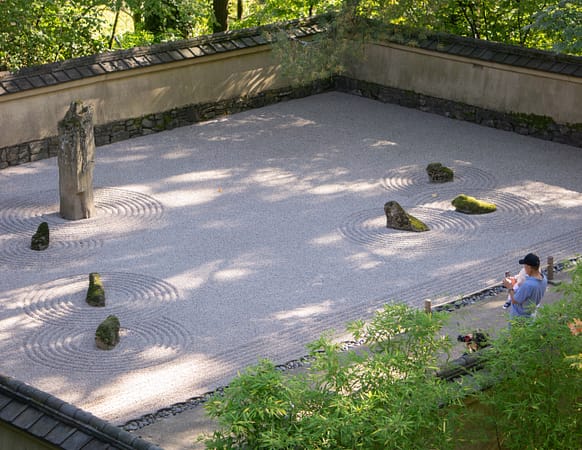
131, 297
16, 252
513, 212
368, 228
142, 344
414, 178
116, 209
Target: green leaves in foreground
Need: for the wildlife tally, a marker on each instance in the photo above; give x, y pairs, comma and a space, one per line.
383, 396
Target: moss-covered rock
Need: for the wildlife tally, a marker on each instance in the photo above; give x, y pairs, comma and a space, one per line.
470, 205
399, 219
107, 334
40, 239
95, 292
437, 173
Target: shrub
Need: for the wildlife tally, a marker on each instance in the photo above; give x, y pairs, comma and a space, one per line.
536, 400
384, 397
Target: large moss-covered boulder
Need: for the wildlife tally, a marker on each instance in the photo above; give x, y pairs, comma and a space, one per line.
399, 219
40, 239
95, 292
107, 334
470, 205
437, 173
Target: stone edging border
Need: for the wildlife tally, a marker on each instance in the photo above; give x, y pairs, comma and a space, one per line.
191, 403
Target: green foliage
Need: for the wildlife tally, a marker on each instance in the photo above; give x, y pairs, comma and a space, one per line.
256, 13
169, 20
382, 397
562, 24
537, 399
40, 31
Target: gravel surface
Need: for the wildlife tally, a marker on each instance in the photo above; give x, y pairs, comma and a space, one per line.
247, 236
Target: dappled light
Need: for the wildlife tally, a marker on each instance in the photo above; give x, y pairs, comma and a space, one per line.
304, 312
250, 235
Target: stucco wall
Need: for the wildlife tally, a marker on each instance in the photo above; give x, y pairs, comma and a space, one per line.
10, 438
34, 114
485, 84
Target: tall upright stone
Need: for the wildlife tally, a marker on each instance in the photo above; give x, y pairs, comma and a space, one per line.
76, 159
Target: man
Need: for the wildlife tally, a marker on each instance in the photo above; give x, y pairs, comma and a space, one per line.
527, 298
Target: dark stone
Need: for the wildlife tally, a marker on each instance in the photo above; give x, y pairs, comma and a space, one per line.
437, 173
95, 292
40, 239
399, 219
107, 334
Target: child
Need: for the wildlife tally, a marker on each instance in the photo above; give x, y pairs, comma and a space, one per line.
517, 281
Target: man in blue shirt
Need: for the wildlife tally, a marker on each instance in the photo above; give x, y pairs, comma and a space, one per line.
527, 298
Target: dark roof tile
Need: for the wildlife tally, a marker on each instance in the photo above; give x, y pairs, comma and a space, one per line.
24, 84
43, 426
570, 69
12, 410
533, 63
196, 51
249, 42
207, 49
154, 58
96, 69
4, 400
164, 57
186, 53
238, 43
59, 433
27, 418
75, 441
175, 55
141, 60
73, 73
85, 71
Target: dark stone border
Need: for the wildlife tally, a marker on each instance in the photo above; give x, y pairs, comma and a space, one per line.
540, 127
529, 125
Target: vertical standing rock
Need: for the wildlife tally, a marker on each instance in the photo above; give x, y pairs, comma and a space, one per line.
40, 239
76, 158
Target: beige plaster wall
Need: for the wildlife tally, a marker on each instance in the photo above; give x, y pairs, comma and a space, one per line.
492, 86
34, 114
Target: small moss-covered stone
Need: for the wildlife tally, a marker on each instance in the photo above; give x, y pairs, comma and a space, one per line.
470, 205
107, 334
437, 173
40, 239
399, 219
95, 292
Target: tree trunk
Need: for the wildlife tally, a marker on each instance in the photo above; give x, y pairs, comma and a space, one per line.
220, 8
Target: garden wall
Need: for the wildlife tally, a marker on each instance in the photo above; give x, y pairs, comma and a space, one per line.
145, 90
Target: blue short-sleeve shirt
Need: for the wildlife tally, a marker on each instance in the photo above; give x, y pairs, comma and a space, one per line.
528, 296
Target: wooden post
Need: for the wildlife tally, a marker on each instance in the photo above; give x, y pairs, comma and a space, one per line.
550, 271
428, 306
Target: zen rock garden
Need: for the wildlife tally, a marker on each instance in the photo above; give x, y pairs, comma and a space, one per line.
398, 219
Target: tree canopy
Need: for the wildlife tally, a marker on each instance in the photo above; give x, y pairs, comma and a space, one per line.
41, 31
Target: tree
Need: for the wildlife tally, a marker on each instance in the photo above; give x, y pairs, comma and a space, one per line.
385, 397
562, 24
39, 31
